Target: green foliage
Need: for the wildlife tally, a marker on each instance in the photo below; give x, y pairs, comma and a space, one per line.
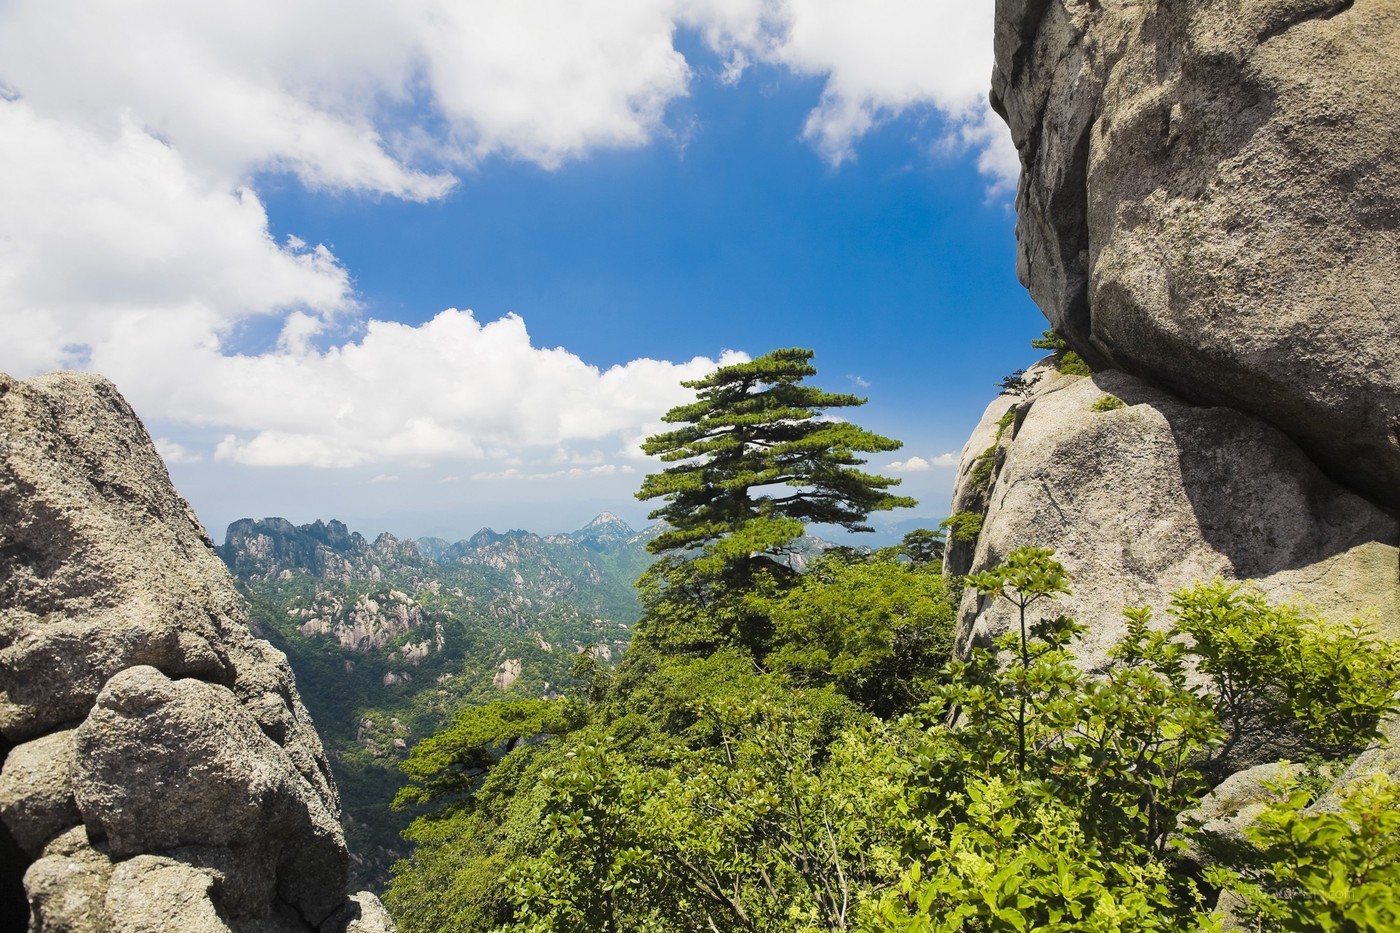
982, 466
1048, 806
1067, 361
1072, 364
964, 526
1015, 862
1325, 870
751, 833
924, 546
876, 630
1018, 385
1279, 669
787, 752
452, 763
755, 428
1108, 403
732, 791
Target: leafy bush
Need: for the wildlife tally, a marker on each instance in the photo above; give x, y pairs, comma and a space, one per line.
1108, 403
1072, 364
1279, 669
1323, 870
1066, 360
964, 526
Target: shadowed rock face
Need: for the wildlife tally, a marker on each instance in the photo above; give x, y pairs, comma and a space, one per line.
1211, 200
161, 767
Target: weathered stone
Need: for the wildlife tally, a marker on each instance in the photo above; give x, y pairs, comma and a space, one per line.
1210, 200
362, 913
185, 752
36, 791
163, 764
1236, 802
67, 887
151, 894
1142, 500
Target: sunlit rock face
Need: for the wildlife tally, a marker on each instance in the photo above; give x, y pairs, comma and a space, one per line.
1211, 200
1153, 494
160, 769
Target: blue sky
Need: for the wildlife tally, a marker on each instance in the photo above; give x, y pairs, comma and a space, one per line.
268, 286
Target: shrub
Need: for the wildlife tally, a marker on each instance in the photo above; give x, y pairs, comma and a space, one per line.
1108, 403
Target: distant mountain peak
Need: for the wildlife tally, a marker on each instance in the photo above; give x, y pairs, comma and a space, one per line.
606, 520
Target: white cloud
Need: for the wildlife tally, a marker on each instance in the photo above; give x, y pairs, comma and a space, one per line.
451, 388
921, 464
104, 234
172, 452
912, 465
881, 58
383, 95
384, 478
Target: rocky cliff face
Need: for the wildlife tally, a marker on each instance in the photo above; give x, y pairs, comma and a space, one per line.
1142, 499
1210, 201
159, 771
1208, 215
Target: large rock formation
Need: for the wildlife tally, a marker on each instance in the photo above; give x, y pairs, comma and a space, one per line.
160, 771
1209, 214
1149, 497
1211, 200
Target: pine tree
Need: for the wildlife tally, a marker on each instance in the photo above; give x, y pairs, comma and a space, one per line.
755, 461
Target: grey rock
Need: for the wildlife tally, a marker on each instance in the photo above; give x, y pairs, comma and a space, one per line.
67, 887
152, 894
1209, 201
164, 764
1233, 805
36, 791
139, 703
362, 913
1159, 494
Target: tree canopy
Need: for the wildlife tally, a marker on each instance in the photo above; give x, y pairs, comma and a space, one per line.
756, 459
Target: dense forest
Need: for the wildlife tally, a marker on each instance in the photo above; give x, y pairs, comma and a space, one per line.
796, 751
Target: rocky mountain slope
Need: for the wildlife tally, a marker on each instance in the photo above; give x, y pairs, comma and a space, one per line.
159, 768
388, 637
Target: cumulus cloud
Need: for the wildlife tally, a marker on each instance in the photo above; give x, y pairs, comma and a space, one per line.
449, 389
921, 464
109, 236
392, 93
912, 465
880, 59
172, 452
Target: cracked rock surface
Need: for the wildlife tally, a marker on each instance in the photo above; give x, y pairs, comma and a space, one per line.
161, 772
